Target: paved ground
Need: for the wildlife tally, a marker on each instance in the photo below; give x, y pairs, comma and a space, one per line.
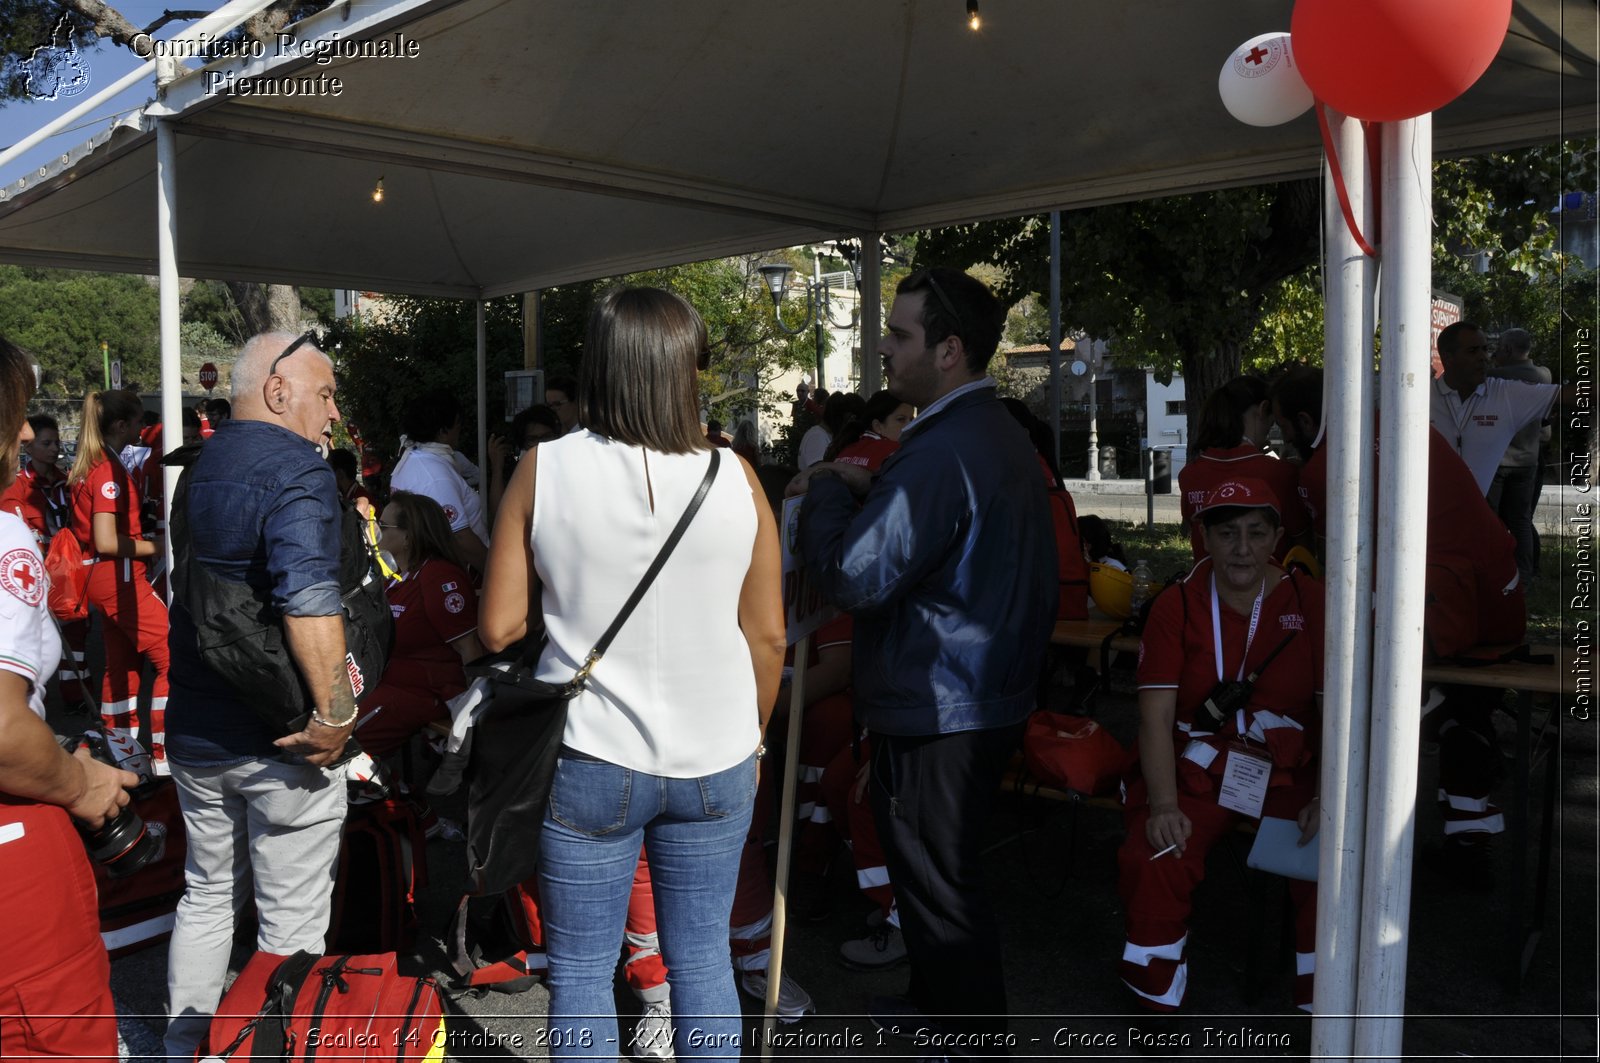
1054, 875
1125, 500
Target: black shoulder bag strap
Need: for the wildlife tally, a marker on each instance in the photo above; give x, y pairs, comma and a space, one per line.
578, 681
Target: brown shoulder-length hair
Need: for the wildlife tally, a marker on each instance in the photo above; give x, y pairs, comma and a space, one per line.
638, 382
16, 389
423, 519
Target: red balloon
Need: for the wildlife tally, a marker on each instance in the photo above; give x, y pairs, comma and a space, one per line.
1386, 60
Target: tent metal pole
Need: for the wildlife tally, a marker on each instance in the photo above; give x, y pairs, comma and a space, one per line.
1055, 330
1407, 183
483, 416
167, 288
871, 311
1347, 434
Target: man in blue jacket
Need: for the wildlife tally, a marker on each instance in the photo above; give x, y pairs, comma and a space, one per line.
948, 562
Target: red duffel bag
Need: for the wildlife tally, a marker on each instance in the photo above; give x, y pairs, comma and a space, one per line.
1072, 753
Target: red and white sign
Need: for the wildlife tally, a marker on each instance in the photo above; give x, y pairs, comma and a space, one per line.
208, 376
1447, 310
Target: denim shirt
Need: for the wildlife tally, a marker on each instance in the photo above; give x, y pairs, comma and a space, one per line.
263, 509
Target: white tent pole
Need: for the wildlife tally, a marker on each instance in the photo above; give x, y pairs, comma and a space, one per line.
780, 885
1347, 435
212, 26
167, 288
871, 311
1055, 330
1401, 549
483, 416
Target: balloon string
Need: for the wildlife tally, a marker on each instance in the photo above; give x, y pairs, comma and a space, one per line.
1338, 182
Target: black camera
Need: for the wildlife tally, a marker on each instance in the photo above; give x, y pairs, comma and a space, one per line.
126, 843
1225, 699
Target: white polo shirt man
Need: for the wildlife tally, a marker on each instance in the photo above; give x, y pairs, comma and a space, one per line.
1478, 414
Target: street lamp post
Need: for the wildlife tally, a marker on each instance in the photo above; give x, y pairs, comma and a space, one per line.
819, 306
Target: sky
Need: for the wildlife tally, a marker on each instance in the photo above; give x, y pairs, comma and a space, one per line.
106, 63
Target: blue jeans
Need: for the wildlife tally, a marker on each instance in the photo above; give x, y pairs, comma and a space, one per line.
693, 832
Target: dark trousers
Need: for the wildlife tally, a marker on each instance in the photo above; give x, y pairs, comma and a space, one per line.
1513, 494
931, 796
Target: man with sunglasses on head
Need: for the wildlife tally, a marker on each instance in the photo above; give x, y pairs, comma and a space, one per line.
947, 560
262, 509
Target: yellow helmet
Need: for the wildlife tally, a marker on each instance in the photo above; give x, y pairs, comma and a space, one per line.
1112, 590
1305, 559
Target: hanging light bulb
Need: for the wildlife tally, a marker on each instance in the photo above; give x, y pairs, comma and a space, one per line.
974, 21
377, 192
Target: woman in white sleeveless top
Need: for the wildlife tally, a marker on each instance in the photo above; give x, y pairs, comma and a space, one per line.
660, 749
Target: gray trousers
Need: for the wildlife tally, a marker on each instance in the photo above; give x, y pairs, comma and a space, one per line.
265, 828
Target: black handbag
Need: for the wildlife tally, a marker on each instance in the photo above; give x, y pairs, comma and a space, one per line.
517, 739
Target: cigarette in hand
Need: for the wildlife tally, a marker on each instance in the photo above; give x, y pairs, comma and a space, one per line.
1165, 851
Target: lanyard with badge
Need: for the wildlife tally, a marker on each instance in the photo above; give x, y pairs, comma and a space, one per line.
1247, 770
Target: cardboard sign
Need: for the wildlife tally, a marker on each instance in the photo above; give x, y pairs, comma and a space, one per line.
803, 608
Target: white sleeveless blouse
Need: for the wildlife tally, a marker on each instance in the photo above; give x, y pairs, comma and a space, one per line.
675, 695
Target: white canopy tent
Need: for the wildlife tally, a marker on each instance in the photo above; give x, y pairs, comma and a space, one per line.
535, 142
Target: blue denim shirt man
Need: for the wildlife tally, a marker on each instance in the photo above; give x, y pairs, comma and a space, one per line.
948, 563
263, 508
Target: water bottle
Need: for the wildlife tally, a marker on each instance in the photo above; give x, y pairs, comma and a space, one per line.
1141, 585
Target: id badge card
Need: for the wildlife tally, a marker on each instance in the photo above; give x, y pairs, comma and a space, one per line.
1244, 780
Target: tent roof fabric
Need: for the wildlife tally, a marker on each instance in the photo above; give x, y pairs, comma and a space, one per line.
531, 143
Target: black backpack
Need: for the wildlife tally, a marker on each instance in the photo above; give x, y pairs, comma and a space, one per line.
240, 634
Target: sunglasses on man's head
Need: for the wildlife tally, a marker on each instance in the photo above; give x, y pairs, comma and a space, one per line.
309, 337
944, 301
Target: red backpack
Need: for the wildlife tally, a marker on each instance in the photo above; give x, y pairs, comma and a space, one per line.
69, 577
1072, 570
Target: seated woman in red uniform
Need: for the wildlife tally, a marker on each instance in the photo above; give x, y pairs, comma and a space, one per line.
1234, 617
55, 979
1233, 429
106, 518
435, 626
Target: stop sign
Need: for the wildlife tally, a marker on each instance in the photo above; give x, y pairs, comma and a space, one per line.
208, 376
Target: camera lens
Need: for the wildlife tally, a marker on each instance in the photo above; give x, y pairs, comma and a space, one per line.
126, 844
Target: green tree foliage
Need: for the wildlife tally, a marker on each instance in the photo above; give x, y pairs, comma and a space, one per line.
62, 316
415, 346
1178, 283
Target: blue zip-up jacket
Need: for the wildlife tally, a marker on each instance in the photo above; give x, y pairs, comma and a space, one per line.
949, 567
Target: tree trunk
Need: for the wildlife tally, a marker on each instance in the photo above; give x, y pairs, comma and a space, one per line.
267, 307
1205, 371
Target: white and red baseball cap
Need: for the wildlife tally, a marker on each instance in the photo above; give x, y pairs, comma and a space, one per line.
1246, 492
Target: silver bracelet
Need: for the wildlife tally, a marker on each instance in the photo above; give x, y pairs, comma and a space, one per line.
317, 717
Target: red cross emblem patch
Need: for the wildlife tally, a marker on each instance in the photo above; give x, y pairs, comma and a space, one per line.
22, 574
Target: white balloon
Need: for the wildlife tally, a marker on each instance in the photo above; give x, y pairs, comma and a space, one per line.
1260, 84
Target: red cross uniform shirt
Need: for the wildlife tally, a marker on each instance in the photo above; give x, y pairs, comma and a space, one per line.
29, 644
432, 607
871, 451
43, 508
1460, 522
1178, 652
1204, 474
108, 488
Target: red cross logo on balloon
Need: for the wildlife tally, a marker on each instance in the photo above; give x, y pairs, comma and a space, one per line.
1257, 54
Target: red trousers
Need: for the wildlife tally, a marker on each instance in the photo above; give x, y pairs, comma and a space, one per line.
390, 714
55, 978
1156, 894
135, 629
855, 821
645, 971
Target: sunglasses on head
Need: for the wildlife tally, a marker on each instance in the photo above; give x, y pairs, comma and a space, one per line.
944, 301
309, 337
